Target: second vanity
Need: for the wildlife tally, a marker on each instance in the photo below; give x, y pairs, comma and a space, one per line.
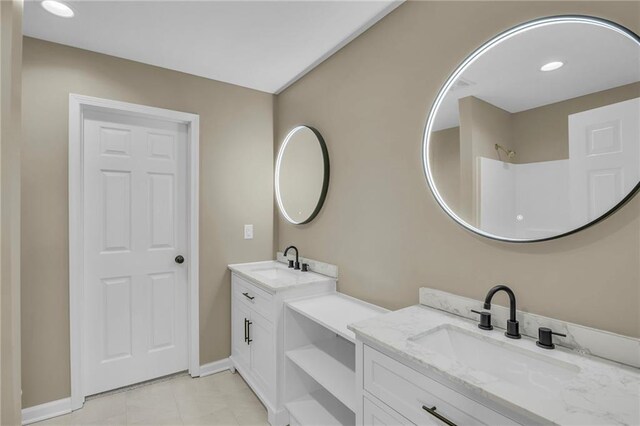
259, 291
421, 365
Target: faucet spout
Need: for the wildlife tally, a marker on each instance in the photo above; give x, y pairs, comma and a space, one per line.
513, 327
512, 299
297, 263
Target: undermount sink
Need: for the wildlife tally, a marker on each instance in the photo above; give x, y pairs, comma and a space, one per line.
276, 273
487, 356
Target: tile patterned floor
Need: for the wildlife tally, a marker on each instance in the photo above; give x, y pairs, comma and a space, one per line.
222, 399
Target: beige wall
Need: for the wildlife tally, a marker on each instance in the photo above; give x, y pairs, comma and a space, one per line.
10, 127
236, 174
381, 225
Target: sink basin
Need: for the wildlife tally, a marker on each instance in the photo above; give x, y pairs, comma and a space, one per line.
273, 276
483, 355
276, 273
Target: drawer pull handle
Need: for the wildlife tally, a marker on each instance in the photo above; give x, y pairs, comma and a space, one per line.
438, 416
248, 297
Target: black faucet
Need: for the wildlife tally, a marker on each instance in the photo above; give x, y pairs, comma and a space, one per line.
513, 328
295, 265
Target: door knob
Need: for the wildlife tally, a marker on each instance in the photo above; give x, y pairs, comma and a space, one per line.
179, 259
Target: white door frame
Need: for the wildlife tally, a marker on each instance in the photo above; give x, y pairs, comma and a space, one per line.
78, 104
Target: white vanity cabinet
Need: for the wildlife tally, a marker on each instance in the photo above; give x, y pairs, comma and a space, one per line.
376, 413
393, 393
253, 338
258, 292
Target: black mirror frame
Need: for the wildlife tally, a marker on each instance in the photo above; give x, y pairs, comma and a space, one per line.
452, 79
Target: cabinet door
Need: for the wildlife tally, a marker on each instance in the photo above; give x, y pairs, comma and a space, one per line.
263, 364
375, 415
241, 348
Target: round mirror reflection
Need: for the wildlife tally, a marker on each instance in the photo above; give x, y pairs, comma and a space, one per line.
302, 175
537, 134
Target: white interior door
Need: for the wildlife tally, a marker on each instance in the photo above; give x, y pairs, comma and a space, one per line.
604, 149
135, 292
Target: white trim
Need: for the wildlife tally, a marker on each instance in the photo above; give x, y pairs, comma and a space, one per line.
215, 367
77, 105
46, 411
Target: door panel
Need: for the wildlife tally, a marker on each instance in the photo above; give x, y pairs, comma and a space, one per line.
116, 229
163, 287
605, 158
161, 218
135, 312
116, 293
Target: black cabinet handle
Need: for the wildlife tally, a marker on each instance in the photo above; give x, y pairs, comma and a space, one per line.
246, 334
438, 416
248, 297
249, 340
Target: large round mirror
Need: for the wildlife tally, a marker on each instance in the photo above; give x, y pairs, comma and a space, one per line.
536, 135
302, 175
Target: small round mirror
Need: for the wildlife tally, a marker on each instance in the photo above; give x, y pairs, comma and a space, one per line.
536, 134
302, 175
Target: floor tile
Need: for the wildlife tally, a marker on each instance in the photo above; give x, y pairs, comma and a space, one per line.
222, 399
224, 417
200, 405
100, 409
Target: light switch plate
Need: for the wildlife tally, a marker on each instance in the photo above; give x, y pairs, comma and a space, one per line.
248, 232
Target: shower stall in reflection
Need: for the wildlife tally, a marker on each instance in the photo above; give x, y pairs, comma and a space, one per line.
533, 200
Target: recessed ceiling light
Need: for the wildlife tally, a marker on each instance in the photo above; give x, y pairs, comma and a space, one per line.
551, 66
57, 8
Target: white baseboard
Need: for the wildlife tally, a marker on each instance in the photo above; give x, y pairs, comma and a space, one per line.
46, 411
215, 367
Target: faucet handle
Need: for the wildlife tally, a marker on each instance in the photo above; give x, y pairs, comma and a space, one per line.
290, 263
485, 320
545, 338
305, 267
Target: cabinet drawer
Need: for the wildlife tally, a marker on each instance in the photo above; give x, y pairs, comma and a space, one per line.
254, 297
381, 415
407, 391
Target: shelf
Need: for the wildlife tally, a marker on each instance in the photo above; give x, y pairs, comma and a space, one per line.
335, 311
331, 363
319, 408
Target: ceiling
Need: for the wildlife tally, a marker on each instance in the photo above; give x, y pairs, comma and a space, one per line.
262, 45
509, 77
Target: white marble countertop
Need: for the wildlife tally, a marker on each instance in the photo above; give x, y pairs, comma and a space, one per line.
600, 393
274, 276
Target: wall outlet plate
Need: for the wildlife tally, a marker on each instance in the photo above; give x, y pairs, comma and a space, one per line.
248, 232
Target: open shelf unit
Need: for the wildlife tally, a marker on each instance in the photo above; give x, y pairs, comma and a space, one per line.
319, 408
331, 363
320, 358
